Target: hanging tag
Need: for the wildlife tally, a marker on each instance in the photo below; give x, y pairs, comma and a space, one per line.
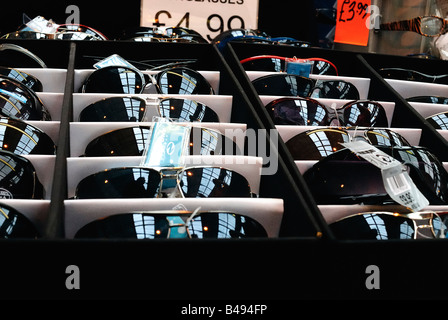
167, 145
40, 24
301, 67
114, 60
397, 182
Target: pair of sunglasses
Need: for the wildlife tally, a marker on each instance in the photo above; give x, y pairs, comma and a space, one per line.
283, 84
278, 64
428, 26
64, 32
389, 226
18, 178
412, 75
22, 138
133, 141
175, 224
320, 143
15, 225
330, 184
133, 109
310, 112
18, 101
429, 99
145, 182
126, 80
159, 34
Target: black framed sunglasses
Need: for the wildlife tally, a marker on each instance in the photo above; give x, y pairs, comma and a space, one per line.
15, 225
175, 224
330, 184
283, 84
125, 80
310, 112
145, 182
320, 143
132, 141
18, 178
428, 99
22, 138
385, 225
412, 75
439, 121
25, 78
20, 102
133, 109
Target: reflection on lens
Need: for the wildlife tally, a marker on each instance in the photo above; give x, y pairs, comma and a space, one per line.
115, 109
120, 183
365, 114
429, 99
283, 85
183, 81
431, 26
385, 137
297, 111
439, 121
15, 225
213, 182
152, 226
335, 90
26, 79
114, 80
186, 110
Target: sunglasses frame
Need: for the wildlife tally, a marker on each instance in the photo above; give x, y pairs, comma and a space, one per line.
414, 25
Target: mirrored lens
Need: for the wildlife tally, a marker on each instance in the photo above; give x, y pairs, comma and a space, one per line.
15, 225
373, 226
183, 81
152, 226
335, 90
26, 79
115, 109
18, 179
213, 182
283, 85
316, 144
297, 111
186, 110
365, 114
439, 121
114, 80
385, 137
429, 99
265, 64
21, 138
135, 182
431, 26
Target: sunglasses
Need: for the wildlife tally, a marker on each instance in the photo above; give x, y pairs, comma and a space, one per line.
20, 102
330, 184
171, 34
412, 75
169, 225
22, 138
18, 179
24, 78
439, 121
134, 109
282, 84
428, 99
125, 80
320, 143
15, 225
145, 182
310, 112
64, 32
278, 64
389, 226
428, 26
133, 141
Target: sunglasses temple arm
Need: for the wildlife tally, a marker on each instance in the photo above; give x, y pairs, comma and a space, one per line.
403, 25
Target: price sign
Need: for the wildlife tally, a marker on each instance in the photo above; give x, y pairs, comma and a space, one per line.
208, 17
353, 22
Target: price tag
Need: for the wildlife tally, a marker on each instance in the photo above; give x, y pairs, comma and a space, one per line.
208, 17
353, 22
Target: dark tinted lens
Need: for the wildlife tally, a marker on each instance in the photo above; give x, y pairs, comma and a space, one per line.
121, 142
18, 179
224, 226
115, 109
183, 81
336, 90
120, 183
213, 182
283, 85
344, 178
373, 226
210, 142
265, 64
429, 99
15, 225
298, 111
385, 137
323, 67
439, 121
316, 144
26, 79
19, 102
21, 138
186, 110
365, 114
114, 80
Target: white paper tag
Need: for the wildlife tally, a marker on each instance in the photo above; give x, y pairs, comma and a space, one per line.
114, 60
397, 182
40, 24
